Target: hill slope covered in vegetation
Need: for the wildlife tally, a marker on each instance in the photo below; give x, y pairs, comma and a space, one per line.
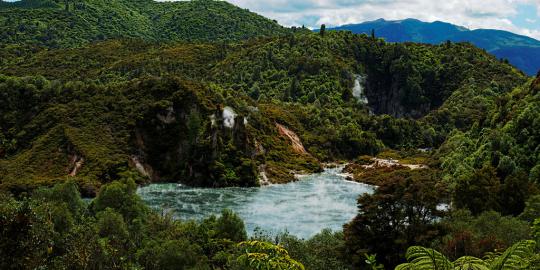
155, 103
55, 23
521, 51
75, 107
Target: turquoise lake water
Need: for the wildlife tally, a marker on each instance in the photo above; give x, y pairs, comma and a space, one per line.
303, 208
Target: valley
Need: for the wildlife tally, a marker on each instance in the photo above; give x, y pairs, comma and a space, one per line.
199, 135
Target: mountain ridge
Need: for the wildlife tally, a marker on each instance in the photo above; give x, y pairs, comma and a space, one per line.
503, 44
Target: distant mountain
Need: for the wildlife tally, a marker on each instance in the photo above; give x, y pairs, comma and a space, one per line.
54, 24
521, 51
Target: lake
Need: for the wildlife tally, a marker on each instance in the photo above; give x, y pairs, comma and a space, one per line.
303, 208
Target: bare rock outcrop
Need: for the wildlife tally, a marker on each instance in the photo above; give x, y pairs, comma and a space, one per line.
297, 145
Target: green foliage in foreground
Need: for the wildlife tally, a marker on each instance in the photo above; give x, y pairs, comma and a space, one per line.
468, 235
402, 212
325, 250
53, 228
262, 255
519, 256
410, 208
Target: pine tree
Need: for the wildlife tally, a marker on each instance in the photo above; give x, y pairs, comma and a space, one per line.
323, 30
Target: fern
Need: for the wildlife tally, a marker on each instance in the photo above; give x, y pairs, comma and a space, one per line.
519, 256
425, 258
515, 257
405, 266
470, 263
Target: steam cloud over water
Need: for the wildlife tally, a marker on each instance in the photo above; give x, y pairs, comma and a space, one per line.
302, 208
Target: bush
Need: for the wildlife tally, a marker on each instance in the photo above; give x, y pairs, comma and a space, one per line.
474, 236
120, 196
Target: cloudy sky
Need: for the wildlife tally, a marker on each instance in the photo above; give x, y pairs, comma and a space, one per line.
519, 16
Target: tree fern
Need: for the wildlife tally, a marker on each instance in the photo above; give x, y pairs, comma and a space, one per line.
405, 266
515, 257
519, 256
421, 258
470, 263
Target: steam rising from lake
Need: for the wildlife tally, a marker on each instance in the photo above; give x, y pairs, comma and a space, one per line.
303, 208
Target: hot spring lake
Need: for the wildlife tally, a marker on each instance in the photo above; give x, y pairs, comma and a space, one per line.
303, 208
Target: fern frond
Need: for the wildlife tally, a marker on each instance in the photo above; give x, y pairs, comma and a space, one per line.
427, 259
515, 257
470, 263
405, 266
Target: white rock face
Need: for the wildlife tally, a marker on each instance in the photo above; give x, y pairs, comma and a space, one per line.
228, 117
139, 166
358, 89
77, 162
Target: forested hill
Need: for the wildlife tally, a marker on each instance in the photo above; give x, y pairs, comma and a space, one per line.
122, 105
71, 23
98, 96
521, 51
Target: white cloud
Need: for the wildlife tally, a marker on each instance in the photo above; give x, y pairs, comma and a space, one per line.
473, 14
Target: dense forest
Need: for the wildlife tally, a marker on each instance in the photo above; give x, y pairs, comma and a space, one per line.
98, 97
73, 23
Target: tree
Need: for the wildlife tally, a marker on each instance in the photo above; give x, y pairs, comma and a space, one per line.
258, 255
400, 213
480, 192
171, 254
63, 193
26, 233
373, 33
536, 229
476, 235
514, 193
230, 226
120, 196
325, 250
354, 142
532, 209
111, 224
294, 93
322, 31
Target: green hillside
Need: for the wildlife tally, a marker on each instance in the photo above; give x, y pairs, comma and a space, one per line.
521, 51
98, 97
54, 24
303, 81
